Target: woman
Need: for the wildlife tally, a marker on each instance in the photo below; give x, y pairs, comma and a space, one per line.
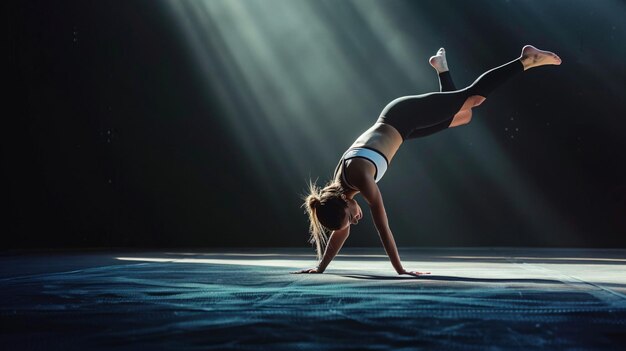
333, 208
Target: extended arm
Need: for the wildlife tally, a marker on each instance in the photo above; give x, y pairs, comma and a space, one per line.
335, 242
337, 238
372, 195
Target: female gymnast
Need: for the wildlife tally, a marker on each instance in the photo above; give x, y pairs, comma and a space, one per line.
333, 208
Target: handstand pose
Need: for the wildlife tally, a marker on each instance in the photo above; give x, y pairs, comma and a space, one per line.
333, 208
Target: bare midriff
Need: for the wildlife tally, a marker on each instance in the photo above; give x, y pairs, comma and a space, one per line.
381, 137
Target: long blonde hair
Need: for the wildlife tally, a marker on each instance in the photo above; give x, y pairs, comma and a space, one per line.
328, 205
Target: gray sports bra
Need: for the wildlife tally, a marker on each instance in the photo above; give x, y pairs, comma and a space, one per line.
374, 156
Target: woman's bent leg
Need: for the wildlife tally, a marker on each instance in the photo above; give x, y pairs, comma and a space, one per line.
421, 115
426, 114
440, 64
445, 84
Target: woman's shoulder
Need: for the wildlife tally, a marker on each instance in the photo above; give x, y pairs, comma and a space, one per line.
358, 167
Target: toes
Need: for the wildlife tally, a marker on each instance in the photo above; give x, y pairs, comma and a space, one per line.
556, 57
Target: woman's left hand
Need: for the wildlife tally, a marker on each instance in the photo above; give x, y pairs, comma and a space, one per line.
413, 273
308, 270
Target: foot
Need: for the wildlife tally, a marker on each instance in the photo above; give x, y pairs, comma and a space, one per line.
533, 57
439, 61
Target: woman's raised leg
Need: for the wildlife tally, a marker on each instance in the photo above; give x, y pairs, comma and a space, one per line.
533, 57
420, 115
493, 78
440, 64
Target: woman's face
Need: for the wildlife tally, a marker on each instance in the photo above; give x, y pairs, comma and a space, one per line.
353, 213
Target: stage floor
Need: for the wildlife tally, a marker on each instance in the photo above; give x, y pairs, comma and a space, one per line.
245, 299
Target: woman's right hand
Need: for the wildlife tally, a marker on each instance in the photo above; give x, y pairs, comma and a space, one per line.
308, 270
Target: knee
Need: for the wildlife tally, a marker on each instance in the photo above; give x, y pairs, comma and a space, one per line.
477, 99
465, 120
461, 118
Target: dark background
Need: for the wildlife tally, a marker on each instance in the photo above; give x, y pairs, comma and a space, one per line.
111, 138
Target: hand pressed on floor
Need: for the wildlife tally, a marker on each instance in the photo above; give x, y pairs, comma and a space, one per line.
308, 270
414, 273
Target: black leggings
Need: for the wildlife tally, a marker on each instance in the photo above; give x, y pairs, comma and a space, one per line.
416, 116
